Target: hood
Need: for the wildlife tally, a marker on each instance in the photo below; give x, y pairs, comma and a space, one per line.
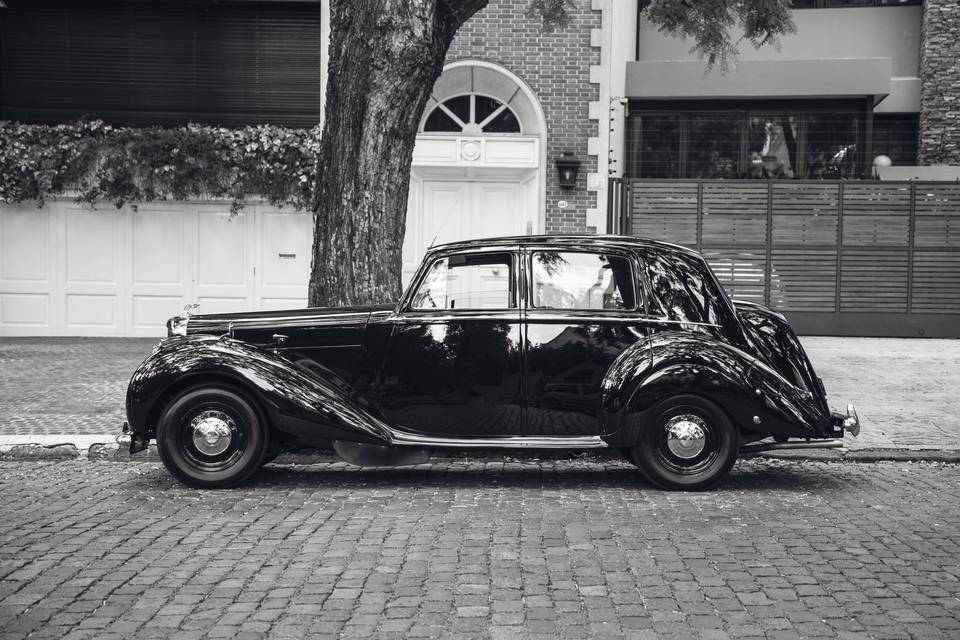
221, 323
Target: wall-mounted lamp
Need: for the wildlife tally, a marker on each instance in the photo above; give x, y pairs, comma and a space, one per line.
567, 168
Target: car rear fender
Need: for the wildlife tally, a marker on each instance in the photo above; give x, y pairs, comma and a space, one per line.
755, 397
309, 404
776, 344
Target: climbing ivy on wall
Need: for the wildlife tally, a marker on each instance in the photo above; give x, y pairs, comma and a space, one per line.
97, 162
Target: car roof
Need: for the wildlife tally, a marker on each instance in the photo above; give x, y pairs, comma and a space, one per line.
585, 241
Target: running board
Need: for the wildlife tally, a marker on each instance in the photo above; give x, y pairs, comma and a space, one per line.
779, 446
399, 438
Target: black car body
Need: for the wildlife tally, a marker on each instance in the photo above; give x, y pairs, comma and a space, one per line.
528, 342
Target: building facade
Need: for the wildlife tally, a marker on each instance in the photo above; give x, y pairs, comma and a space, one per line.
512, 100
770, 168
608, 92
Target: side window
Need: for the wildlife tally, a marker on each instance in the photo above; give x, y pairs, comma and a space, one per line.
471, 281
683, 290
579, 280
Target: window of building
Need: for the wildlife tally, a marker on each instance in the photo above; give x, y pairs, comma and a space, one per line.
472, 113
895, 136
472, 281
161, 62
746, 141
583, 281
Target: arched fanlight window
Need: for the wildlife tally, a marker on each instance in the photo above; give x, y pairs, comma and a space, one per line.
472, 113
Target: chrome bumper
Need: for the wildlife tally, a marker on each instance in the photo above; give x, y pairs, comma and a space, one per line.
844, 423
131, 439
851, 422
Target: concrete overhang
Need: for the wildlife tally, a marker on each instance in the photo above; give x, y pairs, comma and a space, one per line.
824, 78
904, 97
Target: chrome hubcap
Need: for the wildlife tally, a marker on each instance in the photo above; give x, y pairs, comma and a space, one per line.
686, 436
212, 432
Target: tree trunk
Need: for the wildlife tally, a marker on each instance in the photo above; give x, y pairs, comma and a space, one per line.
385, 56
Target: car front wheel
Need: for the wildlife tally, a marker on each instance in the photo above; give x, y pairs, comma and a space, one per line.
211, 437
690, 445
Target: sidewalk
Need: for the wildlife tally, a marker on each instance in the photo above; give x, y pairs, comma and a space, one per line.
905, 390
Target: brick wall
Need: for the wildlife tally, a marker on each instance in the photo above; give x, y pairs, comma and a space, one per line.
940, 83
557, 68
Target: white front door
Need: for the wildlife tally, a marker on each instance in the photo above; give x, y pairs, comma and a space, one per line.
450, 211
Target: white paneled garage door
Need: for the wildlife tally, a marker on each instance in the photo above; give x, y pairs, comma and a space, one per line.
70, 271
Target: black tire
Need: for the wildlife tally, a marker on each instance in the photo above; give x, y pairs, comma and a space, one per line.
677, 464
197, 461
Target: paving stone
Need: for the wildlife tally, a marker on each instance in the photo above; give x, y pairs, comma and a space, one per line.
551, 547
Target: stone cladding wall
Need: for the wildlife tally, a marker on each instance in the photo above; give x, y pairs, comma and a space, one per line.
940, 83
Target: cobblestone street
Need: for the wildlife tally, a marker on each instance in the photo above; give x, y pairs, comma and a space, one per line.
66, 385
481, 548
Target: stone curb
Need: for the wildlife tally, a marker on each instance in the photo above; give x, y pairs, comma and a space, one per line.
868, 455
112, 452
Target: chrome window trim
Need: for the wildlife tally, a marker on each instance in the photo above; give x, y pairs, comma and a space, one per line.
414, 317
545, 316
538, 316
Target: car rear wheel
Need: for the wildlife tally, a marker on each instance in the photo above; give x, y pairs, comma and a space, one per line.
691, 445
211, 437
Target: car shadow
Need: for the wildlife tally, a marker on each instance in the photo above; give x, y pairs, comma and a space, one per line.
754, 477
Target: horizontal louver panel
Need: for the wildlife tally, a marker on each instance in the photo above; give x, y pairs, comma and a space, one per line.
734, 214
805, 268
934, 199
803, 280
164, 63
873, 281
936, 282
805, 214
876, 214
666, 211
742, 273
938, 215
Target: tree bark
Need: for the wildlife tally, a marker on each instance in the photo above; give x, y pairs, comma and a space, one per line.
385, 56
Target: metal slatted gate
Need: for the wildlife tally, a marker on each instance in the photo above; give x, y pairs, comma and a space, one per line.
838, 258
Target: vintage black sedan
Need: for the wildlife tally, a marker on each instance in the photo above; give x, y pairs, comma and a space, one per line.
532, 342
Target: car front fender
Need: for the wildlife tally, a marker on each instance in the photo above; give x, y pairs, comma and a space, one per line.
757, 399
308, 402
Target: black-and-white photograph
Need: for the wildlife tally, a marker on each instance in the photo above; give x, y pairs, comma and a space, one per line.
480, 319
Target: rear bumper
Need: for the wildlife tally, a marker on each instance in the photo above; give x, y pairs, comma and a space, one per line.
840, 425
848, 422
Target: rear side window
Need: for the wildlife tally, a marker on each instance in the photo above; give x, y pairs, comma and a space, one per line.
683, 289
582, 281
472, 281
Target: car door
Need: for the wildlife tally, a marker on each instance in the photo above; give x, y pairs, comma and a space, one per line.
453, 364
583, 309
